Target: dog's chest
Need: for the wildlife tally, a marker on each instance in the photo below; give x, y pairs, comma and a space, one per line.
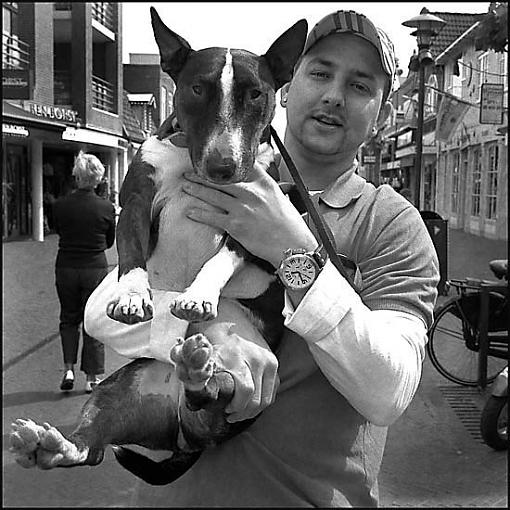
183, 245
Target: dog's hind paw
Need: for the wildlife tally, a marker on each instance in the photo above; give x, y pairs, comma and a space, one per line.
24, 438
194, 309
42, 446
131, 308
193, 360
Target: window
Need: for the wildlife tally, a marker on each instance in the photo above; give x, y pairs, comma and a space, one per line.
476, 186
455, 183
484, 71
431, 97
10, 18
492, 182
162, 104
456, 72
502, 69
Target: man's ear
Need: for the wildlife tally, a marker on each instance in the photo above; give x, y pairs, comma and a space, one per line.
283, 94
385, 111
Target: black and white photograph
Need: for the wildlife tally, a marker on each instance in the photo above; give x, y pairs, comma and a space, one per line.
255, 254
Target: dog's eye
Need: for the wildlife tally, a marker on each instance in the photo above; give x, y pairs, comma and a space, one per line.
254, 93
197, 89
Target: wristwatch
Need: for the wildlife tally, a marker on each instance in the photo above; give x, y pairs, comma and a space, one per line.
299, 269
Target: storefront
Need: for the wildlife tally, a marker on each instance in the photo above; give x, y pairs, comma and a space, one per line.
23, 136
39, 145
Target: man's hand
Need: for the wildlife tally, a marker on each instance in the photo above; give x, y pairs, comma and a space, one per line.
256, 213
254, 370
239, 350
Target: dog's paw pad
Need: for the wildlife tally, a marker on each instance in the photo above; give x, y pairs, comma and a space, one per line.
24, 441
193, 359
25, 435
52, 440
131, 308
193, 309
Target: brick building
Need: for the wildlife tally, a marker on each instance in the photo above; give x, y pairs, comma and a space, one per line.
62, 85
144, 79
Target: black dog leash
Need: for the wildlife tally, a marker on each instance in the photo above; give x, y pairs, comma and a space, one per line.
322, 229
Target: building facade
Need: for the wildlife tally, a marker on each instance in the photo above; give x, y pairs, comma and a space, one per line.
472, 170
464, 173
143, 78
62, 92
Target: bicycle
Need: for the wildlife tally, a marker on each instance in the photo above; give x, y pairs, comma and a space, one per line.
466, 344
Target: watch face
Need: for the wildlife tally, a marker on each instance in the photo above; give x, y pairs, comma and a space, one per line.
299, 271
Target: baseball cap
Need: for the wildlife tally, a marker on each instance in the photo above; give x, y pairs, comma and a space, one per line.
353, 22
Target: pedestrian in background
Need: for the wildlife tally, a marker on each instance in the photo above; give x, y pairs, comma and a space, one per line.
85, 223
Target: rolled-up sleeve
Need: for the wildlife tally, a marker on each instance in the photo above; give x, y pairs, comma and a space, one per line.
372, 357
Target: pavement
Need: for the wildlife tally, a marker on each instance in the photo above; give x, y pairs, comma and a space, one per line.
434, 455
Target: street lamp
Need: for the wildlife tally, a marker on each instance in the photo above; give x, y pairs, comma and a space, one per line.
427, 26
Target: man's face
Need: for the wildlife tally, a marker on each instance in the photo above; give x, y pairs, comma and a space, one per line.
335, 96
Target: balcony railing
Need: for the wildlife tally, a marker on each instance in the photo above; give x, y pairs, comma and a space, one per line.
62, 87
15, 53
105, 13
103, 95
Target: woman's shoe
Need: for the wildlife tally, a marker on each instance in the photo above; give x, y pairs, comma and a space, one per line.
67, 383
90, 385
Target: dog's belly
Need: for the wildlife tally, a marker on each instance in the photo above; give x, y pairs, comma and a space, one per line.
183, 246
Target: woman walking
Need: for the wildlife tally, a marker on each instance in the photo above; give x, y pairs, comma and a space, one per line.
85, 224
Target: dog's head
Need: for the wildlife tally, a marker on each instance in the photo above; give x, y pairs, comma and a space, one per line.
225, 98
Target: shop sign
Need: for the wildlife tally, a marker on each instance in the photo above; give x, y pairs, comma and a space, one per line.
405, 139
368, 159
450, 114
51, 112
491, 103
14, 130
16, 84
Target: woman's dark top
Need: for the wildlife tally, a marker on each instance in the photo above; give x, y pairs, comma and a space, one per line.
86, 226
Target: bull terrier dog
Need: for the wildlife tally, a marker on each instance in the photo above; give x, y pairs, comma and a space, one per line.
223, 105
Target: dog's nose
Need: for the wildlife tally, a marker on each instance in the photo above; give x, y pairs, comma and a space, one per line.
219, 168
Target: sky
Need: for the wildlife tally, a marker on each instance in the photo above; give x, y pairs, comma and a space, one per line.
254, 26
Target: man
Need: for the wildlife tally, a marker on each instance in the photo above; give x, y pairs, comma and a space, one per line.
349, 363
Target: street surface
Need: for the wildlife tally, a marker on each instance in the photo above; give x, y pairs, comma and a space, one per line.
434, 455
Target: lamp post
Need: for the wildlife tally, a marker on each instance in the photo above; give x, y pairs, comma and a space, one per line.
427, 25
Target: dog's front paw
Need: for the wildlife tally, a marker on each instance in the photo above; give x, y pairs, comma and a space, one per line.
193, 361
42, 446
193, 308
131, 308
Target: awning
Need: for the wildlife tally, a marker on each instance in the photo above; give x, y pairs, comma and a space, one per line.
94, 137
12, 113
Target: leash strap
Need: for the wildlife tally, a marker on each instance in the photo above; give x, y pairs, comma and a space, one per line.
322, 229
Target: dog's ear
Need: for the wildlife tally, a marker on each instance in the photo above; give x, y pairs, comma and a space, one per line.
173, 49
285, 51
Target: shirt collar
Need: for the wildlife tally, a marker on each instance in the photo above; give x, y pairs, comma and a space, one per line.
348, 187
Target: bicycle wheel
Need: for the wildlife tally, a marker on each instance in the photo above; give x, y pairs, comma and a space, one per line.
447, 348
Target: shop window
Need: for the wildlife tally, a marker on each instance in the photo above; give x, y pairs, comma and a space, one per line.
455, 183
476, 183
492, 182
484, 71
431, 98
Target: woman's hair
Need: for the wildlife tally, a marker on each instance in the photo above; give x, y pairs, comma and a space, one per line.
88, 170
